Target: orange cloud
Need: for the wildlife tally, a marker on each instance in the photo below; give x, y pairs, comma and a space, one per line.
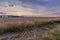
12, 6
6, 12
7, 5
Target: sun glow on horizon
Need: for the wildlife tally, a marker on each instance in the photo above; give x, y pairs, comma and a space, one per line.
41, 8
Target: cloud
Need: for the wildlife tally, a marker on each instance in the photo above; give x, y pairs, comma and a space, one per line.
7, 5
31, 7
12, 6
36, 2
33, 3
2, 13
29, 12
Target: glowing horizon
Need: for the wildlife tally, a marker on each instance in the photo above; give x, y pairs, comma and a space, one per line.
40, 8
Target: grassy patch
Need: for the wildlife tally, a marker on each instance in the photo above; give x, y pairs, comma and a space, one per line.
17, 28
56, 34
27, 27
57, 21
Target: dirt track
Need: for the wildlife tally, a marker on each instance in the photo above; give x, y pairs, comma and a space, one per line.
36, 34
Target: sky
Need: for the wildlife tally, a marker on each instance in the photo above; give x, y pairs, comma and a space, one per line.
37, 8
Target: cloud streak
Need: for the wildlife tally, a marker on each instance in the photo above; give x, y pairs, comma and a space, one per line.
31, 7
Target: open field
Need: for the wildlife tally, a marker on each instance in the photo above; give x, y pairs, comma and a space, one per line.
30, 28
6, 21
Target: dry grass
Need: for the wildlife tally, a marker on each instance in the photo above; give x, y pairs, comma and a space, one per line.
35, 29
23, 26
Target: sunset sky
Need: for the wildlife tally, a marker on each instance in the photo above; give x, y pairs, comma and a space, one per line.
38, 8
